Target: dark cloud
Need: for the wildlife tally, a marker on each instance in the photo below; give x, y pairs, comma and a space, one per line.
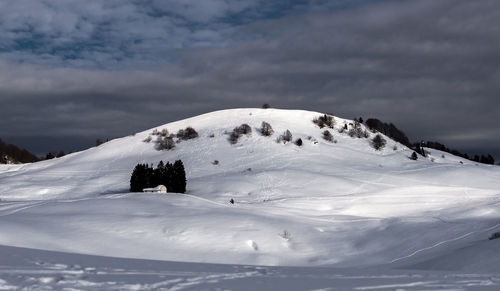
431, 67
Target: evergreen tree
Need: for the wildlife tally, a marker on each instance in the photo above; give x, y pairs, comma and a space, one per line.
158, 174
139, 179
179, 175
490, 160
414, 156
378, 142
168, 177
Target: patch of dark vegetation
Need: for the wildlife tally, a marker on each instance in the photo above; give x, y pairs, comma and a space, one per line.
266, 129
325, 120
378, 142
165, 143
187, 133
388, 129
10, 153
173, 176
358, 131
238, 132
285, 137
485, 159
327, 136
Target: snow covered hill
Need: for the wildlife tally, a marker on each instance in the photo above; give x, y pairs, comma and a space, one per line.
340, 203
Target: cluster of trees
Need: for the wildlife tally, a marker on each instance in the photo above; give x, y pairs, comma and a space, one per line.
394, 133
485, 159
10, 153
389, 130
357, 130
325, 120
165, 140
238, 132
173, 176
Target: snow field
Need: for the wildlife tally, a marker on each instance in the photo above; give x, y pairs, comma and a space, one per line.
343, 204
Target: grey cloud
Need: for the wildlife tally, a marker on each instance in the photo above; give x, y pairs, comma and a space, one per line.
431, 67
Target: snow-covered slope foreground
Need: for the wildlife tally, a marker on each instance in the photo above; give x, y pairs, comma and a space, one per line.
29, 269
340, 203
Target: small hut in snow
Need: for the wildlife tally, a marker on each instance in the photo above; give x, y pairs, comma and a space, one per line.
157, 189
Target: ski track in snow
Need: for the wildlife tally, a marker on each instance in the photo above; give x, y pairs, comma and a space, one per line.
444, 242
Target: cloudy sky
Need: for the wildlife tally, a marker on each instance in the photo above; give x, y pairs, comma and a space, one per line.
72, 71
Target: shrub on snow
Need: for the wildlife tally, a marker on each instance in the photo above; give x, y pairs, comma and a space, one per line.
325, 120
188, 133
266, 129
378, 142
285, 137
238, 132
327, 136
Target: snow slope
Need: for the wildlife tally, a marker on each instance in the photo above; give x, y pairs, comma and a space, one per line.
342, 204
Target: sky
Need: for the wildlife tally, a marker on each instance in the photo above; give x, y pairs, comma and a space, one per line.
73, 71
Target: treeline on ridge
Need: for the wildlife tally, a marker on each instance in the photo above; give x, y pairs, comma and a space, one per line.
173, 176
396, 134
12, 153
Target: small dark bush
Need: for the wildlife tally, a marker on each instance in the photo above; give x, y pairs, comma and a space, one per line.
148, 139
243, 129
188, 133
327, 136
266, 129
285, 137
233, 137
238, 132
265, 106
325, 120
216, 162
378, 142
414, 156
164, 132
299, 142
358, 132
165, 143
